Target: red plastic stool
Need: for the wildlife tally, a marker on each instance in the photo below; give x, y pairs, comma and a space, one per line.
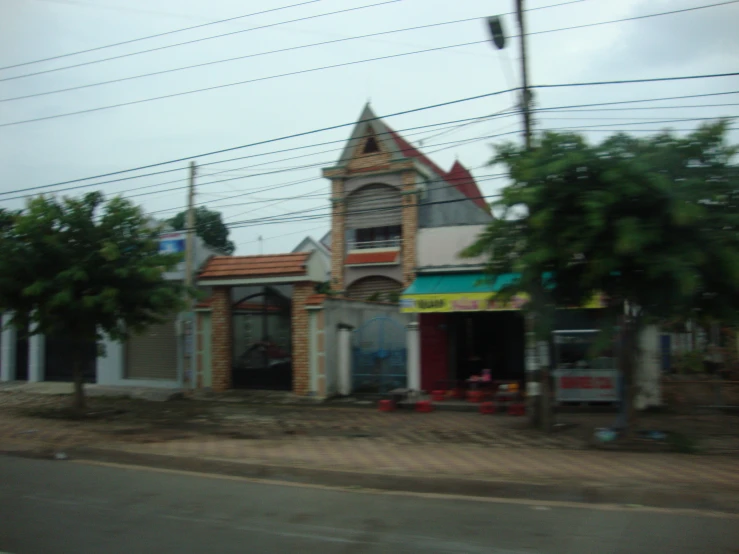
386, 405
424, 406
475, 395
517, 409
438, 395
487, 408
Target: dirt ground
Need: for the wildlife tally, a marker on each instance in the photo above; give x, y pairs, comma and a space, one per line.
46, 418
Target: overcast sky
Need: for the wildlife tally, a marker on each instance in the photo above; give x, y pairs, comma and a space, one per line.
54, 150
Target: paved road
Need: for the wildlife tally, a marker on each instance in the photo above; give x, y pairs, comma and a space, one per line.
61, 507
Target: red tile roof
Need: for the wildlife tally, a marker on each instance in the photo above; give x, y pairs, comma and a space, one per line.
458, 175
235, 267
463, 180
409, 151
369, 258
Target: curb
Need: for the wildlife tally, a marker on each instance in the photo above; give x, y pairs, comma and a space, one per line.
676, 497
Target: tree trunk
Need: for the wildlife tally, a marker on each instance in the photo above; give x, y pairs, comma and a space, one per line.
630, 330
79, 386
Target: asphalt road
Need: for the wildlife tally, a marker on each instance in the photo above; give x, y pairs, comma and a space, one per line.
64, 507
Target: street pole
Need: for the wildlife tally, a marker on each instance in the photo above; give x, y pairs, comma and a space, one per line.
189, 357
190, 225
525, 92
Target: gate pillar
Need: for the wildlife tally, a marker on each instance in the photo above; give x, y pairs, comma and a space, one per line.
414, 356
222, 337
344, 360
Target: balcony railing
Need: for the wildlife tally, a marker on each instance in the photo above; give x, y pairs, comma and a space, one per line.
366, 245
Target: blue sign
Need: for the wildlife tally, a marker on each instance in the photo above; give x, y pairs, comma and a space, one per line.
172, 246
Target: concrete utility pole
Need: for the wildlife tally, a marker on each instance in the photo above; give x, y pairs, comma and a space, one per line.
189, 354
525, 92
537, 351
190, 226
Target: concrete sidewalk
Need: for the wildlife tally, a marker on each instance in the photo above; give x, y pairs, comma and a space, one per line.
470, 462
464, 450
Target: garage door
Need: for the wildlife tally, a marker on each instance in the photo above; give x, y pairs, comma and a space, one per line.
153, 354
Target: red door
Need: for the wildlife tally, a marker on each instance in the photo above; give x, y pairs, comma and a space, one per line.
434, 349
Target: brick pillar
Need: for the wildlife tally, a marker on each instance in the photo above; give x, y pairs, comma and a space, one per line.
410, 227
338, 234
222, 334
300, 330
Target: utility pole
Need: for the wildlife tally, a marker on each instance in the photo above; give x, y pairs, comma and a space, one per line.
538, 352
525, 92
189, 354
190, 226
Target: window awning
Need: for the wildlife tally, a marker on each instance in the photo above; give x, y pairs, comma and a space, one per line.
465, 292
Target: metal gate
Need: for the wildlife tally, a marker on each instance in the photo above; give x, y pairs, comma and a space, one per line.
379, 356
262, 357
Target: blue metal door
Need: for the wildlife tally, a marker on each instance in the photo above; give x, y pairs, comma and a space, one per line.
379, 356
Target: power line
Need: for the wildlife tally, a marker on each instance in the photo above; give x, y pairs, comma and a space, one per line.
155, 36
296, 135
197, 40
634, 18
77, 187
237, 83
625, 108
68, 89
632, 81
241, 57
194, 66
262, 142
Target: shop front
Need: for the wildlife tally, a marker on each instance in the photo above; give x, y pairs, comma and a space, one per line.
465, 330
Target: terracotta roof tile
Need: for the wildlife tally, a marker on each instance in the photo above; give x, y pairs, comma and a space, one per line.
458, 175
357, 258
235, 267
463, 180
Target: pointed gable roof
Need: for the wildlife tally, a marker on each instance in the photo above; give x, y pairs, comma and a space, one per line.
390, 141
462, 179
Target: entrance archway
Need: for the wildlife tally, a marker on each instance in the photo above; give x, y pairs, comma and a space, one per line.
262, 342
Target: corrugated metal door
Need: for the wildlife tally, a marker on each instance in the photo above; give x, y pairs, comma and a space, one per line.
153, 354
373, 206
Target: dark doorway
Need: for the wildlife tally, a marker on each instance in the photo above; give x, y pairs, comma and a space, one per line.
21, 355
262, 341
60, 359
489, 340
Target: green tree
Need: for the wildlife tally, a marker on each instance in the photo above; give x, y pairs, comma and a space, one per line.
209, 226
78, 268
649, 222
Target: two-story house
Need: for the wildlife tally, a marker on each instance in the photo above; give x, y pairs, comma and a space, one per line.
383, 190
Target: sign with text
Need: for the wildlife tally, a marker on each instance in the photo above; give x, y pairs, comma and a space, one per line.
586, 385
172, 243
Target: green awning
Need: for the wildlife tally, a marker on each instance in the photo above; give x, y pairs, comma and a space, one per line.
459, 283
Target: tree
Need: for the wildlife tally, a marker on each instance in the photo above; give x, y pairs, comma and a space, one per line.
651, 223
208, 226
81, 268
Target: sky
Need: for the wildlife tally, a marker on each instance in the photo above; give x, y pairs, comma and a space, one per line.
268, 184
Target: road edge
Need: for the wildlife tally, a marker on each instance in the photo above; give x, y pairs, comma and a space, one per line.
569, 491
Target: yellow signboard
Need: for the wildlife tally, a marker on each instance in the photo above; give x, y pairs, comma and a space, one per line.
468, 302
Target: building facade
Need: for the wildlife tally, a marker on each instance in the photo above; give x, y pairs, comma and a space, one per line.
383, 191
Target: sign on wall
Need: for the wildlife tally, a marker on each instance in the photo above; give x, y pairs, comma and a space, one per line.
172, 243
587, 385
468, 302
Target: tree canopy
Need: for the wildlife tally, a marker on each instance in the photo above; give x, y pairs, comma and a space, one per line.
209, 226
650, 223
79, 268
